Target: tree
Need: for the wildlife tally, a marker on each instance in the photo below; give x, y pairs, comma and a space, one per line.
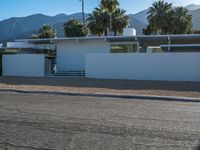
181, 21
34, 36
158, 16
148, 30
119, 21
110, 6
74, 28
163, 19
99, 21
46, 31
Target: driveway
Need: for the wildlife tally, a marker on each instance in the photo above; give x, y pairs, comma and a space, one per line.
84, 85
55, 122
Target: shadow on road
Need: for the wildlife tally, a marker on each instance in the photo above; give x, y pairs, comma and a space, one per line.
197, 148
109, 84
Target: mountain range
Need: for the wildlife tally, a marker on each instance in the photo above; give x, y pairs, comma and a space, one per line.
24, 27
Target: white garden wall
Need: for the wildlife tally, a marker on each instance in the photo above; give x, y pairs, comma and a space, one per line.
148, 66
27, 65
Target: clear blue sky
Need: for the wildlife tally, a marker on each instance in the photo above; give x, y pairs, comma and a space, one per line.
18, 8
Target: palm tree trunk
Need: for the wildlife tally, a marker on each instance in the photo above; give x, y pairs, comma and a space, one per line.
110, 23
105, 32
115, 33
83, 12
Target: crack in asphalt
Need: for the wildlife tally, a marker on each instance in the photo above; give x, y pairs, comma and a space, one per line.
22, 146
70, 144
55, 116
110, 130
99, 120
11, 109
132, 139
154, 119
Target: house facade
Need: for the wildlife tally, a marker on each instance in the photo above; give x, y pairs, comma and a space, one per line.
153, 57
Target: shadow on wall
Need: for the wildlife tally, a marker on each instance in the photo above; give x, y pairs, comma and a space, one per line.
109, 84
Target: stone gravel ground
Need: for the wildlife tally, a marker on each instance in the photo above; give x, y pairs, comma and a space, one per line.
84, 85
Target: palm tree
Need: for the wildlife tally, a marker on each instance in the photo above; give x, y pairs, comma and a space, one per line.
46, 31
163, 19
110, 6
181, 21
158, 16
98, 22
74, 28
119, 21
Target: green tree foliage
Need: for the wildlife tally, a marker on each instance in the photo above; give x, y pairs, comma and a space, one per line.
99, 20
119, 20
163, 19
158, 16
74, 28
149, 30
109, 5
46, 31
181, 21
34, 36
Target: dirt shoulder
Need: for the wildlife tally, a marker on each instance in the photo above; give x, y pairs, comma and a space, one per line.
83, 85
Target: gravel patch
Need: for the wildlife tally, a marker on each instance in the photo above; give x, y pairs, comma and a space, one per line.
84, 85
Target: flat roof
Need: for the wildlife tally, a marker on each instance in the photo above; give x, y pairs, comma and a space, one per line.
15, 48
53, 40
145, 40
182, 47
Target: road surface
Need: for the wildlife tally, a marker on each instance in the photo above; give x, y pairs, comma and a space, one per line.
53, 122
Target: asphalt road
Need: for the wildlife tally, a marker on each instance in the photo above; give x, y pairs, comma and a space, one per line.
50, 122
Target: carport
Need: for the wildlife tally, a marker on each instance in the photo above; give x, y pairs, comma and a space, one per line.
167, 43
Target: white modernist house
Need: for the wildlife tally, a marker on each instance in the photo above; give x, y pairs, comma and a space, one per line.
154, 57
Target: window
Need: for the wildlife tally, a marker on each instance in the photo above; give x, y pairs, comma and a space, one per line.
124, 47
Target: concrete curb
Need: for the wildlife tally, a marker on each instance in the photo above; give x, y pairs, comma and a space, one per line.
141, 97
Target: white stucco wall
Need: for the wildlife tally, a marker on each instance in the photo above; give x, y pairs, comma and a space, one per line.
27, 65
71, 54
129, 32
155, 66
19, 45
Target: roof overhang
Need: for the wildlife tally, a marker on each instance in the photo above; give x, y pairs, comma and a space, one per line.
181, 47
57, 40
145, 40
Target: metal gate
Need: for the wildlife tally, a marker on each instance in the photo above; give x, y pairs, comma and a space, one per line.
0, 64
71, 65
50, 67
